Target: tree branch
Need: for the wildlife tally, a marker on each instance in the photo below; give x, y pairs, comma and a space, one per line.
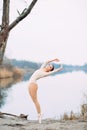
24, 13
8, 114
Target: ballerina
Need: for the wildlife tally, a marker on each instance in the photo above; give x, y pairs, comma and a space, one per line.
46, 69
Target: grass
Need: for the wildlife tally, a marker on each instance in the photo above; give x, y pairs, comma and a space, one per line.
70, 116
75, 116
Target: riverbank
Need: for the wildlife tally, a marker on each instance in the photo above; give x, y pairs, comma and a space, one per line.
17, 123
9, 71
10, 75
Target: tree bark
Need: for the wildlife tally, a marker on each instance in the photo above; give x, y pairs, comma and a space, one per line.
3, 41
6, 28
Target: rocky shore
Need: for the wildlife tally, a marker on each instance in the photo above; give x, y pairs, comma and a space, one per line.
21, 123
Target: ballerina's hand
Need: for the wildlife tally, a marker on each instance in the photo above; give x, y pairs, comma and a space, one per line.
57, 60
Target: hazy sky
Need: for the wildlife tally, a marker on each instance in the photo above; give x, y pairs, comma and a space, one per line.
55, 28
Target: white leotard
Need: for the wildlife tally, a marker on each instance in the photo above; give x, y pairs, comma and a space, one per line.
40, 73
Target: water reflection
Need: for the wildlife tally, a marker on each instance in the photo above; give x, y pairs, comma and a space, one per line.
8, 82
3, 96
5, 85
57, 94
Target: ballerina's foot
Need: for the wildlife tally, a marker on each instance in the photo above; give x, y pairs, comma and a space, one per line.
39, 118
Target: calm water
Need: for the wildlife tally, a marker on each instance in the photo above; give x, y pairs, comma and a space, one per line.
56, 94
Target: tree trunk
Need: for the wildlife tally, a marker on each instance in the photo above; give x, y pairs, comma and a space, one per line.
4, 28
3, 42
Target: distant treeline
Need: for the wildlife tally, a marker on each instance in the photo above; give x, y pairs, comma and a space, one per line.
34, 65
24, 64
71, 68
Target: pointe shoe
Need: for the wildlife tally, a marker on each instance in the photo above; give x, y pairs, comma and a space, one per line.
40, 118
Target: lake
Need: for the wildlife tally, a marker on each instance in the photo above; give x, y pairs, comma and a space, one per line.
57, 94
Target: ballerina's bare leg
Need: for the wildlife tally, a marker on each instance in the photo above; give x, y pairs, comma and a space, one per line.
33, 93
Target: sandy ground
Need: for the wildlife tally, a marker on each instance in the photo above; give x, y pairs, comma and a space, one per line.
15, 123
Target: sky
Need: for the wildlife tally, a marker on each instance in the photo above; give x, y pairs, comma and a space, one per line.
54, 29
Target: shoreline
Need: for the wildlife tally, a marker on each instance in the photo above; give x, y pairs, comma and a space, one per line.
15, 123
21, 123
